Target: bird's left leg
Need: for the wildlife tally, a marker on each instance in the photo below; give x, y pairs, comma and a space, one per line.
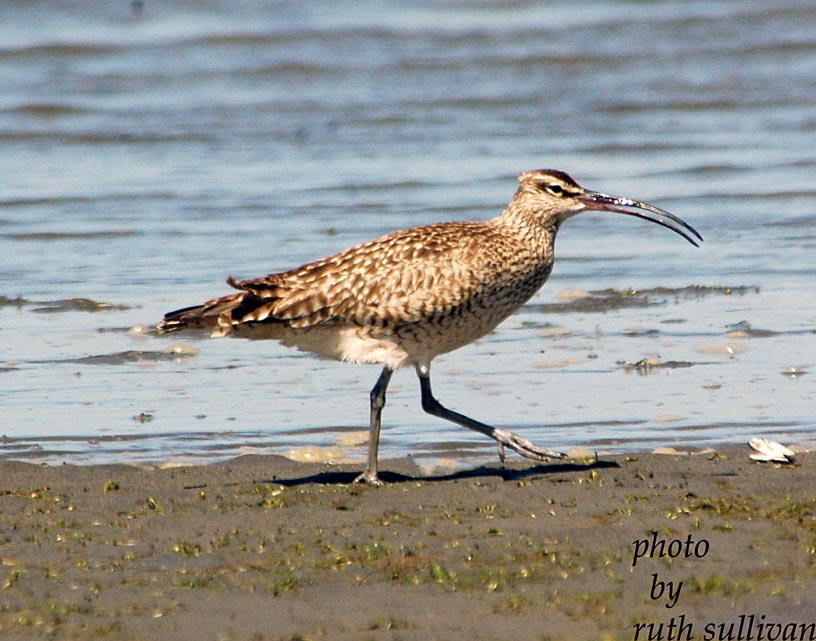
515, 442
377, 397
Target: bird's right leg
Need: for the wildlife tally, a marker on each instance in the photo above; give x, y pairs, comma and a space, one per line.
526, 448
377, 404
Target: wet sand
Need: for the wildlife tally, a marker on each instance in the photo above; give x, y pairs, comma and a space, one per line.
265, 548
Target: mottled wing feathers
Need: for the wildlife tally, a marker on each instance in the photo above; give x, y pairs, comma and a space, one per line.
402, 278
398, 279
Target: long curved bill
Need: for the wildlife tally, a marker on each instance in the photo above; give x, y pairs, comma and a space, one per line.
597, 201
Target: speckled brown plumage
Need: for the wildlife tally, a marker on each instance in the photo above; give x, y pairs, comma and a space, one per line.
407, 297
413, 294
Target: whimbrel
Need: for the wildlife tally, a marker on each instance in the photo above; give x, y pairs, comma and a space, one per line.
407, 297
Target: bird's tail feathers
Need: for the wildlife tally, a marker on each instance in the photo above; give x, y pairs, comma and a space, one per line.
204, 316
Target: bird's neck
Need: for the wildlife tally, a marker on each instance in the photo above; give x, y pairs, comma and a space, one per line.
535, 229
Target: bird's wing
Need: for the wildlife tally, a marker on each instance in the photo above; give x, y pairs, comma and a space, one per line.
398, 279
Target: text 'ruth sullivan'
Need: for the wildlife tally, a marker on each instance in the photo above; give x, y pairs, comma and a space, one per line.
746, 627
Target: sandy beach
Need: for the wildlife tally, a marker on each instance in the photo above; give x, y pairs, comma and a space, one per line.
708, 545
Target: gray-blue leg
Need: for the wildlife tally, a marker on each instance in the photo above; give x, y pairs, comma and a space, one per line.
377, 403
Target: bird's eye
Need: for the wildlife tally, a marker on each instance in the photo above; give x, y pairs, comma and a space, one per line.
554, 188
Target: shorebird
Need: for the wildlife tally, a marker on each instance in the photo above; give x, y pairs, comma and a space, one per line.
405, 298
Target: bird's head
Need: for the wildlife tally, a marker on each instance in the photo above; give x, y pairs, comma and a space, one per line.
555, 195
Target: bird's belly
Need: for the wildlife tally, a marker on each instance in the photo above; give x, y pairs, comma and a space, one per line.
393, 347
341, 342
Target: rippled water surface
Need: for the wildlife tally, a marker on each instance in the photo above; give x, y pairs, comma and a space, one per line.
148, 150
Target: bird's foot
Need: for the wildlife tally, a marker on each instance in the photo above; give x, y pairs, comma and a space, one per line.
369, 477
526, 448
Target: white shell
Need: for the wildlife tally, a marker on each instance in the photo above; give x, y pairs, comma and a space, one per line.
770, 451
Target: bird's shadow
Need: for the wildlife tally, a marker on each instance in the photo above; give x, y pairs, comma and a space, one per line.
483, 471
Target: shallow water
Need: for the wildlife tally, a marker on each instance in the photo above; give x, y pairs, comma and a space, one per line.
148, 153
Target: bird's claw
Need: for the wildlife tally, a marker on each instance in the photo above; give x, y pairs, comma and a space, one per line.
524, 447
